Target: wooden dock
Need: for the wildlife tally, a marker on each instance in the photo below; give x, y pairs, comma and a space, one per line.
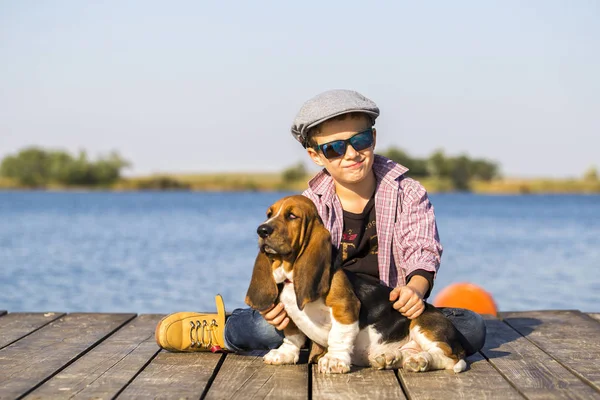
532, 355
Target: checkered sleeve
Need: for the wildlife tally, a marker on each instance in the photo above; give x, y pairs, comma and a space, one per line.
419, 240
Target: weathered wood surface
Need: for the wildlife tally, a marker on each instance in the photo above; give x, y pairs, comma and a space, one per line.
480, 381
29, 362
248, 377
569, 337
531, 371
174, 376
360, 383
15, 326
533, 355
107, 368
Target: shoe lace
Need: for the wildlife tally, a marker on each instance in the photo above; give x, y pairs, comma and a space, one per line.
205, 335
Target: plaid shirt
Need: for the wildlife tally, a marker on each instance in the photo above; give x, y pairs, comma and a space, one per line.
407, 234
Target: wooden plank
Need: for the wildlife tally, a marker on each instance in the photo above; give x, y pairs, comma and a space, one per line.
531, 371
14, 326
174, 376
109, 367
571, 337
359, 383
245, 377
27, 363
595, 316
480, 381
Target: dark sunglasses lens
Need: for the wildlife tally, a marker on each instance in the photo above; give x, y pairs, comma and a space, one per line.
334, 149
362, 140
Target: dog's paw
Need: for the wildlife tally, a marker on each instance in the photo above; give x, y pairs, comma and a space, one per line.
460, 366
334, 364
281, 357
417, 362
390, 360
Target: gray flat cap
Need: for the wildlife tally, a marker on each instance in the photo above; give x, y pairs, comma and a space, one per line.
328, 105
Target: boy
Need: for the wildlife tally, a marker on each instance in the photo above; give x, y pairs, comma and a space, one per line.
381, 222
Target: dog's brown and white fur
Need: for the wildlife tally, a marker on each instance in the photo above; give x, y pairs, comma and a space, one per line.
349, 320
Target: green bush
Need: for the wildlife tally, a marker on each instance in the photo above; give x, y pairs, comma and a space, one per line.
294, 173
161, 183
417, 167
35, 167
459, 170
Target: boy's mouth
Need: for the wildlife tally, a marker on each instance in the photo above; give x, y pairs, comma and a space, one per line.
355, 165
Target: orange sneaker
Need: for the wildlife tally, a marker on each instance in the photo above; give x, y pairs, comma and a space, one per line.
192, 331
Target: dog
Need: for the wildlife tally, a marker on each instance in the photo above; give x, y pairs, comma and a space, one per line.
350, 320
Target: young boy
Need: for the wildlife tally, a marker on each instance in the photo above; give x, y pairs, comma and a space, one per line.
381, 222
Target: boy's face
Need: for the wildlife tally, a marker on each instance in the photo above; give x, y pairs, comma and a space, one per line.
354, 166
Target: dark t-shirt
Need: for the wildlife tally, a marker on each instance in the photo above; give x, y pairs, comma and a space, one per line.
359, 243
358, 248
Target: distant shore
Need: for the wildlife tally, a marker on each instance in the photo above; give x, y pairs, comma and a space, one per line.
274, 182
36, 168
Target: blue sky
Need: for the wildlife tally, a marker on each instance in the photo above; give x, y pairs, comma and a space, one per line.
197, 86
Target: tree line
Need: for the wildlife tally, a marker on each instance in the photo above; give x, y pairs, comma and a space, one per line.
36, 167
459, 170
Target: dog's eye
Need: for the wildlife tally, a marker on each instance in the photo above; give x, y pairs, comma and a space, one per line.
292, 216
269, 213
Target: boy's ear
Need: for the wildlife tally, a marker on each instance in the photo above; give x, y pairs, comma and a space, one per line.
315, 156
374, 138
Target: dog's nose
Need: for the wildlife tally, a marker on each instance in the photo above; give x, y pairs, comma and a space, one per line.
264, 230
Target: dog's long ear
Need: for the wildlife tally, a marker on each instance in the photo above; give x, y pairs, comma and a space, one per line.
312, 269
263, 291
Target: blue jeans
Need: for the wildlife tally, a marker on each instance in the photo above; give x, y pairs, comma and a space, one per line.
247, 330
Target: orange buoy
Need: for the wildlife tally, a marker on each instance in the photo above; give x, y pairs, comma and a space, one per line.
466, 295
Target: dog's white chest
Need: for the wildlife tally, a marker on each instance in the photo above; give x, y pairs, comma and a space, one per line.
314, 321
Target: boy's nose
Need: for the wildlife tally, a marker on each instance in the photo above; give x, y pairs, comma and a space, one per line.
350, 151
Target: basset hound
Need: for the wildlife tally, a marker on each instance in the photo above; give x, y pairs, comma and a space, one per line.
350, 320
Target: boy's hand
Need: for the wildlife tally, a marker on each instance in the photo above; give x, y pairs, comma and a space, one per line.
276, 316
407, 301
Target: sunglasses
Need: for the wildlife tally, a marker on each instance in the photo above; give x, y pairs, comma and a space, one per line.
337, 148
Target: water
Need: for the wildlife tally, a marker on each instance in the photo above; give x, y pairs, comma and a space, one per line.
165, 252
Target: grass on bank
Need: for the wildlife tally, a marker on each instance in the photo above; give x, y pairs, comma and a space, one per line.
536, 186
7, 183
275, 182
256, 182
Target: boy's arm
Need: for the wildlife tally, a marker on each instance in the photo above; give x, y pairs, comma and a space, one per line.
408, 300
421, 247
425, 286
418, 234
